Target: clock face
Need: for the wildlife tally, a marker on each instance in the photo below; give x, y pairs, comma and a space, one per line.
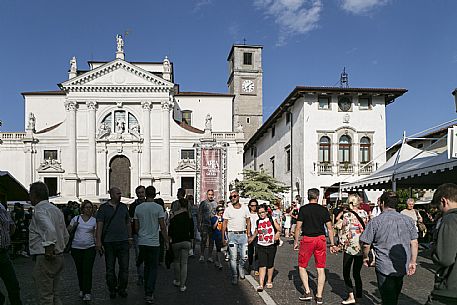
344, 103
247, 86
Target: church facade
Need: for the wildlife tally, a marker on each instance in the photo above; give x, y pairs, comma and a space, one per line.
124, 124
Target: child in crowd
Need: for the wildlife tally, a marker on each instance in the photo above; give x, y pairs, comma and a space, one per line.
216, 222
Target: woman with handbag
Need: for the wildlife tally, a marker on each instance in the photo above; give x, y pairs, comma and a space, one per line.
83, 247
354, 221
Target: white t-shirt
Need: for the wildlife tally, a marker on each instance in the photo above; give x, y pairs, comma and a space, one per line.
148, 215
253, 217
265, 232
84, 235
236, 218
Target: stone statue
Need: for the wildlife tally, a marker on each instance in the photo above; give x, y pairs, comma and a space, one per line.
166, 65
239, 128
120, 125
208, 122
31, 123
103, 130
73, 65
120, 43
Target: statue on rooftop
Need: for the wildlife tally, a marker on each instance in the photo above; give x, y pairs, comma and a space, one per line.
31, 123
120, 43
208, 122
73, 65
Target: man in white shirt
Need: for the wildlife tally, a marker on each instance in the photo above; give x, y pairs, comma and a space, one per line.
238, 225
48, 237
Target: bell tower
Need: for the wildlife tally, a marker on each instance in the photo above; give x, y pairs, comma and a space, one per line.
245, 82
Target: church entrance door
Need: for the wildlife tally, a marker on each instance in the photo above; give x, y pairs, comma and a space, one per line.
119, 174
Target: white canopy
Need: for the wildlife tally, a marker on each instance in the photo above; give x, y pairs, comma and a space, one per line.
415, 168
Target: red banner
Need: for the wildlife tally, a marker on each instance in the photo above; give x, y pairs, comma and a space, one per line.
211, 173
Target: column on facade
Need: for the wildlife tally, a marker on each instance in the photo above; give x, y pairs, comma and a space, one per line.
92, 157
146, 156
166, 108
70, 107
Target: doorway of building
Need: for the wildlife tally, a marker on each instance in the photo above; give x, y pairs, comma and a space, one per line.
187, 183
51, 183
119, 174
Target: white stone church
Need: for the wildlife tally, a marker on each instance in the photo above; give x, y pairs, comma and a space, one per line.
123, 123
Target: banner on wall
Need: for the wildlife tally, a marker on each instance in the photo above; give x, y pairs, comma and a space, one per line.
211, 174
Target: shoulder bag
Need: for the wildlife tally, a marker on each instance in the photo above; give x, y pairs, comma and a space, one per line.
108, 223
420, 225
71, 234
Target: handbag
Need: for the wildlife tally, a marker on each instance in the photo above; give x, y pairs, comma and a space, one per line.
71, 234
420, 225
169, 256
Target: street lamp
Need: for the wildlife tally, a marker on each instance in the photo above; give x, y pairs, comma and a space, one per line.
454, 93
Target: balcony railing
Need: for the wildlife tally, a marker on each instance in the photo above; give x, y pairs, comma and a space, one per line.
224, 135
345, 168
11, 136
365, 169
324, 168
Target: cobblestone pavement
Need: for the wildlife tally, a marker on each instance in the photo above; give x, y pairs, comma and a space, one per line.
207, 285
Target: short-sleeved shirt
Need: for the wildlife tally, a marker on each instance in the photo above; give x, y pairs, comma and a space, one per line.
313, 217
253, 217
217, 231
148, 215
84, 235
236, 218
117, 230
294, 213
390, 234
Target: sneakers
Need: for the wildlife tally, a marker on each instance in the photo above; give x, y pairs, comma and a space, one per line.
218, 265
149, 299
210, 260
307, 296
348, 301
242, 275
280, 242
87, 297
176, 283
202, 259
319, 301
182, 288
191, 252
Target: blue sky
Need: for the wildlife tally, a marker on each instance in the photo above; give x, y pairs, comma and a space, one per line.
382, 43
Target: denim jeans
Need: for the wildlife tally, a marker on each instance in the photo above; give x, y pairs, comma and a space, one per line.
389, 287
138, 260
181, 255
84, 262
238, 250
150, 256
8, 276
119, 251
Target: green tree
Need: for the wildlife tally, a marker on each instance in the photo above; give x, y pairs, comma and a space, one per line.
260, 185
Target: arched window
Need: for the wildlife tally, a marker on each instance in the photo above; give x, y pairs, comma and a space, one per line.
324, 149
365, 148
344, 149
123, 122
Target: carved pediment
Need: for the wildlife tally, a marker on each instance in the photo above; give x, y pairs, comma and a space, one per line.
117, 75
50, 166
186, 165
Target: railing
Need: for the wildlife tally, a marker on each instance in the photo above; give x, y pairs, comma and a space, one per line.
12, 135
224, 135
345, 168
324, 169
365, 169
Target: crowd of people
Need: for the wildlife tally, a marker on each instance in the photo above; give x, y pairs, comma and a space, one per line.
245, 235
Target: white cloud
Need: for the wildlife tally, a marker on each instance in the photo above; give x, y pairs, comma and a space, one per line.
201, 3
361, 6
292, 16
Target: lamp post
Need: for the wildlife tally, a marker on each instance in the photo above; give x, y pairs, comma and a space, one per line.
454, 93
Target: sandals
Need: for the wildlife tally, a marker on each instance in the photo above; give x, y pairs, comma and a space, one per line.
269, 285
259, 288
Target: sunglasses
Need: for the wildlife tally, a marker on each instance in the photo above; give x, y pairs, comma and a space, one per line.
234, 196
262, 212
253, 205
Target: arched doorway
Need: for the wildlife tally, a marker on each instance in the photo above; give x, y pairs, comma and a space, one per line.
119, 174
